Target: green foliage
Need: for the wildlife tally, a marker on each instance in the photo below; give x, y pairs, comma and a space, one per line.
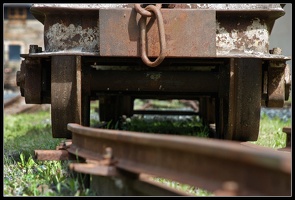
159, 104
48, 178
190, 190
192, 126
270, 132
23, 176
23, 133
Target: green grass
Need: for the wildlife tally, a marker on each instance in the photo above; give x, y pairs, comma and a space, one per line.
190, 190
24, 133
28, 177
271, 132
158, 104
192, 127
23, 175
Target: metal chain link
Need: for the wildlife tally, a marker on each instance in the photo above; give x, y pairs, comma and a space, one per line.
142, 23
143, 12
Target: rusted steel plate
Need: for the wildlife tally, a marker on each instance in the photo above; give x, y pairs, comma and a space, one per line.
52, 154
189, 33
162, 81
243, 34
276, 84
94, 169
205, 163
232, 7
240, 30
69, 27
71, 32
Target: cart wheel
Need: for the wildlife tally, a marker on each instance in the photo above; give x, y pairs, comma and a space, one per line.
239, 101
65, 94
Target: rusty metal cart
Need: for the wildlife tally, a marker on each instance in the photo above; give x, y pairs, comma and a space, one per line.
217, 54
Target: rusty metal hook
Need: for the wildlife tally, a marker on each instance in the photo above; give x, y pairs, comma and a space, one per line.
142, 23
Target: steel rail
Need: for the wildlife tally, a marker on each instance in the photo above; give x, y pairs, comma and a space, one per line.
205, 163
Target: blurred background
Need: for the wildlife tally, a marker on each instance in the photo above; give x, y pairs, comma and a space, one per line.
20, 29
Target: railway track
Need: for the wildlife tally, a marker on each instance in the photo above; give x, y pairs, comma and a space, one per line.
17, 105
123, 162
134, 158
230, 70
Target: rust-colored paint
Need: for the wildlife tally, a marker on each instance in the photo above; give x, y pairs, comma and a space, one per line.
184, 31
199, 160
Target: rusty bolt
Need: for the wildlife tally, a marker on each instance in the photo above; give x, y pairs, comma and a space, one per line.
63, 145
33, 49
108, 157
108, 153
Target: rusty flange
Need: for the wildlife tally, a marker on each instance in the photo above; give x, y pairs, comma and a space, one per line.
277, 81
29, 80
34, 77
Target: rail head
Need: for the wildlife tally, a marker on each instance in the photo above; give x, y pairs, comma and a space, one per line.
187, 159
205, 146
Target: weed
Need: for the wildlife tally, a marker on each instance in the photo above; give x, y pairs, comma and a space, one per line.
23, 133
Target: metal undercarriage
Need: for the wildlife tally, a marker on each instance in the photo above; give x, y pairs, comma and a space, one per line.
217, 54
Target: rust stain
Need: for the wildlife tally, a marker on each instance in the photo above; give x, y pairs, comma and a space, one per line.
72, 37
242, 36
